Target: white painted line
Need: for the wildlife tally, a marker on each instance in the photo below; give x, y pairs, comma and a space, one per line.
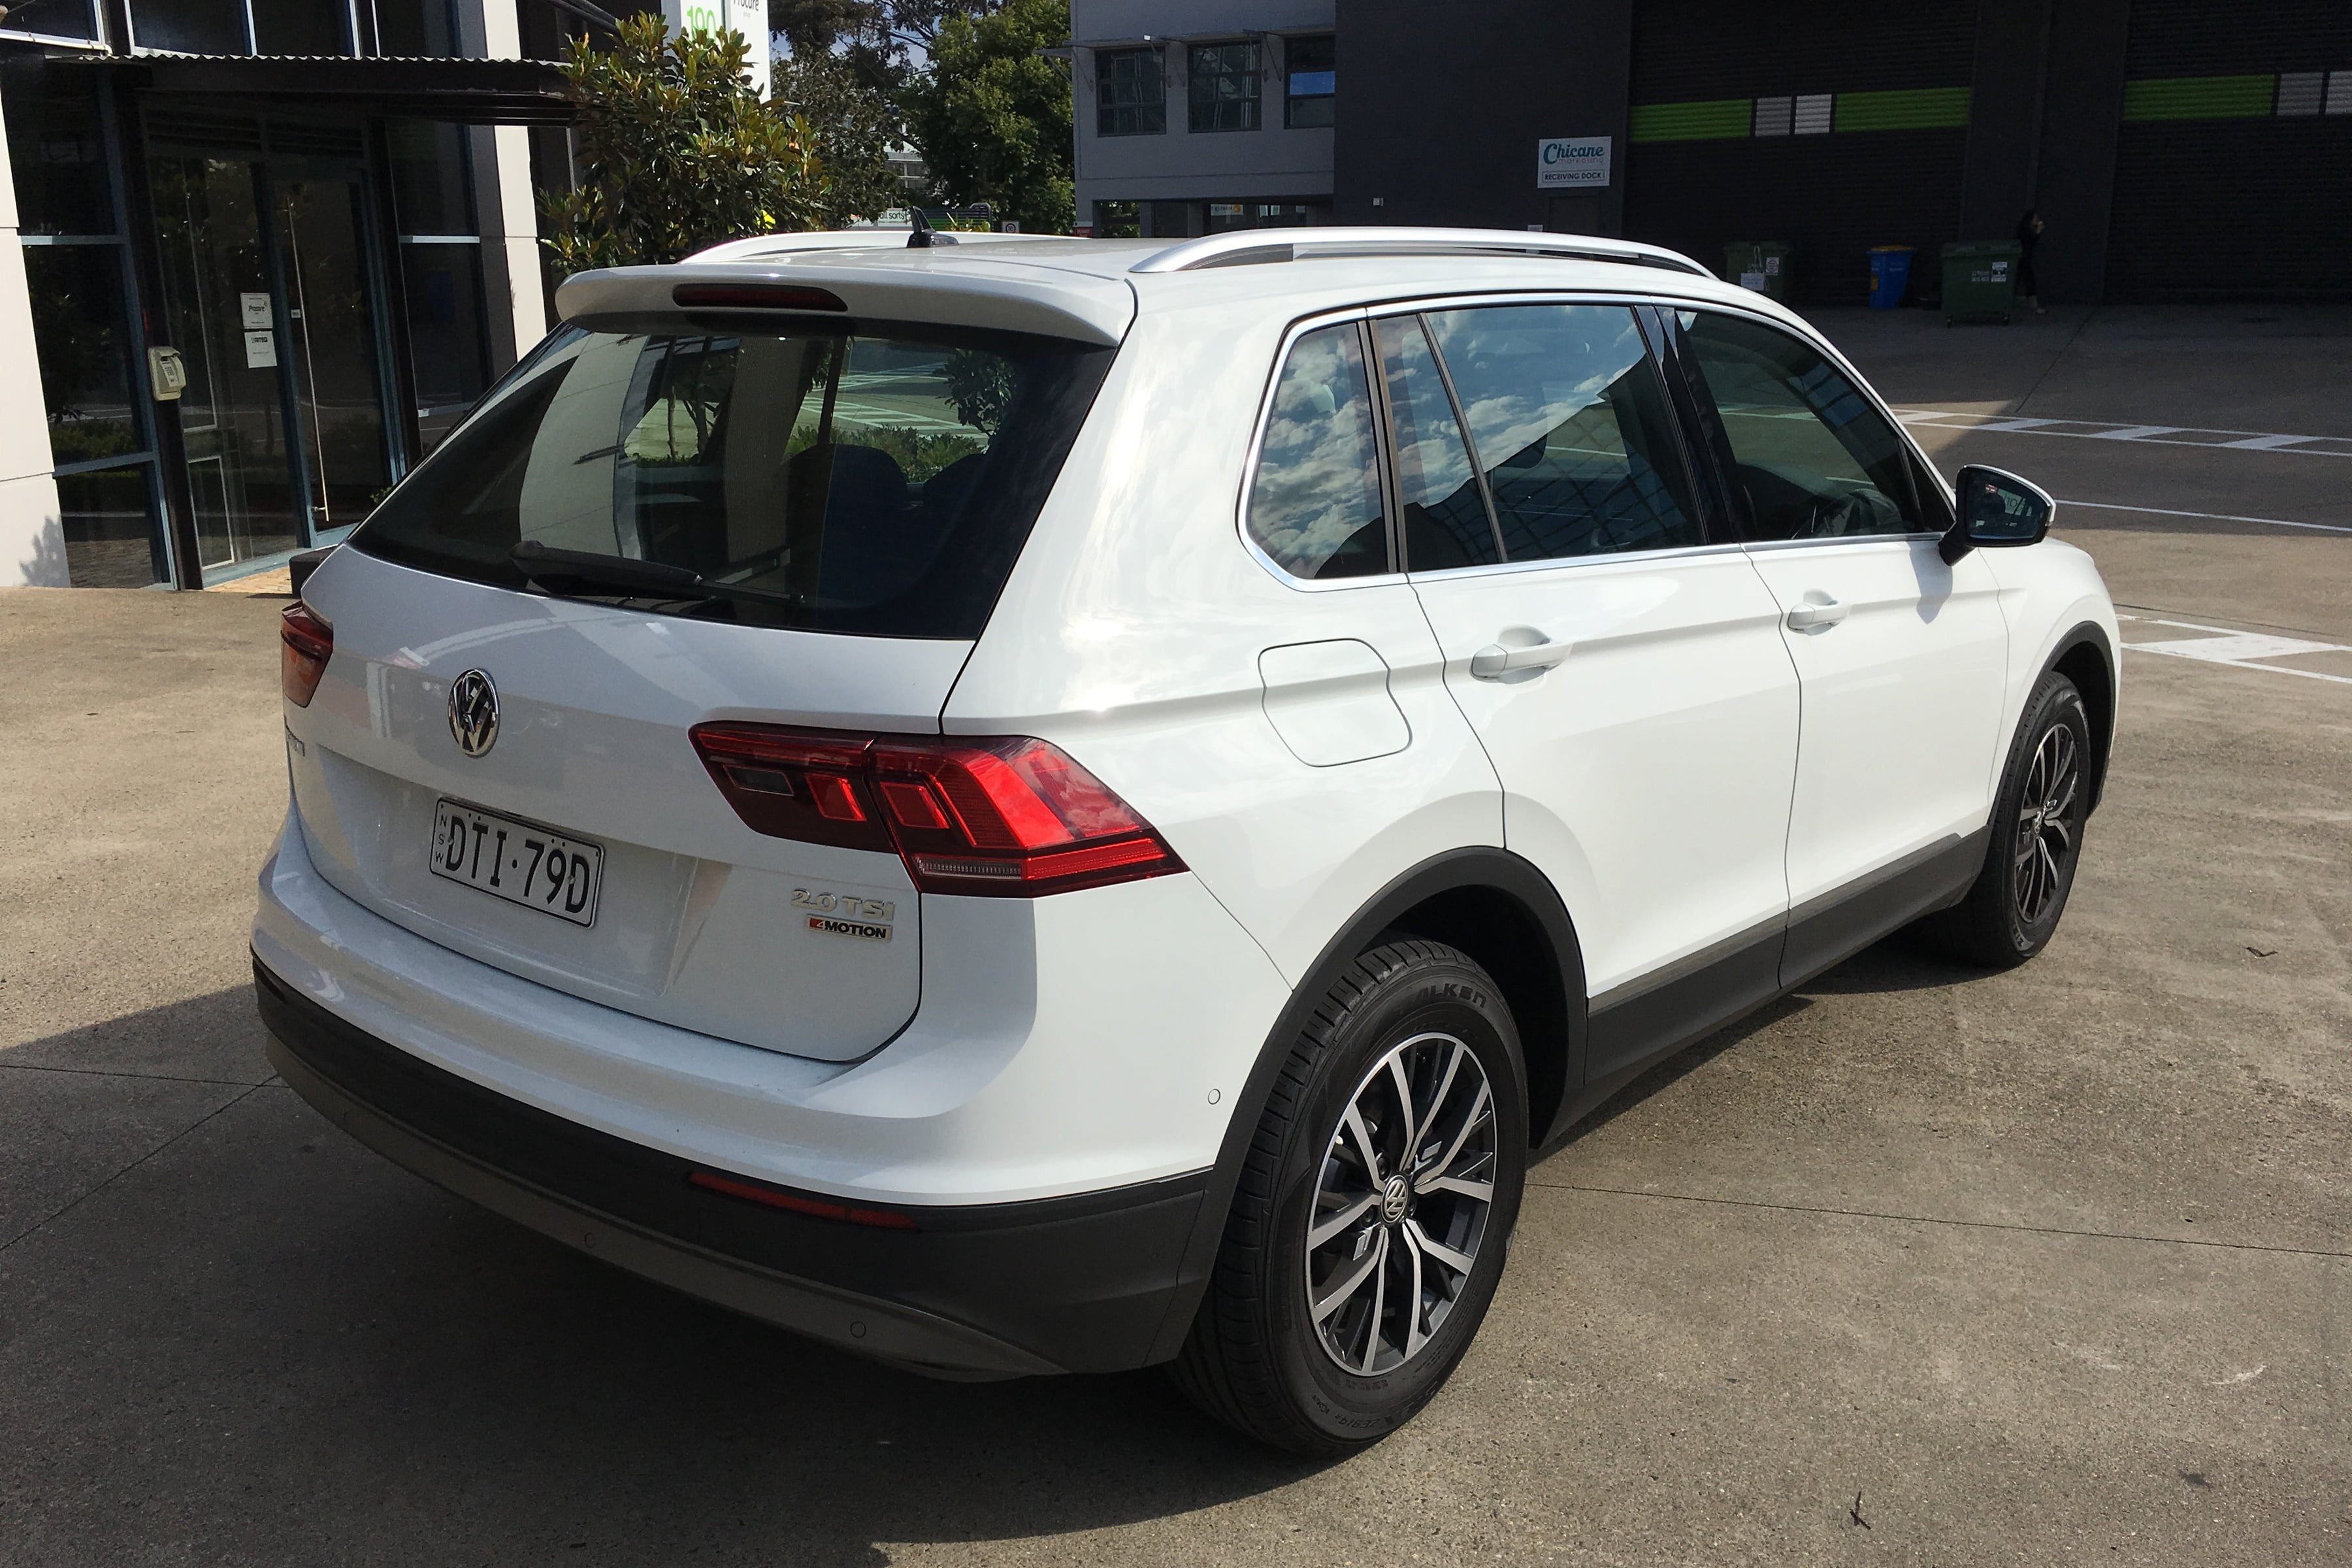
2109, 430
2208, 516
2136, 432
2238, 649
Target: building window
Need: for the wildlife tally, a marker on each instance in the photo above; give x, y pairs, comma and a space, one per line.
242, 26
85, 339
1117, 220
420, 29
1130, 94
51, 19
1224, 86
1312, 66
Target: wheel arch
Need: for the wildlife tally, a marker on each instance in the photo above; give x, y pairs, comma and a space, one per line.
2086, 657
1493, 905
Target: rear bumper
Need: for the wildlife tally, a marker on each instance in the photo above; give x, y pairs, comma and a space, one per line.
1070, 1284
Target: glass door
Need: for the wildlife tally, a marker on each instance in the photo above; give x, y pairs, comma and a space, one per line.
271, 297
221, 304
335, 372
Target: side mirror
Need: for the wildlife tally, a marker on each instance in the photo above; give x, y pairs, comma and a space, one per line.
1993, 508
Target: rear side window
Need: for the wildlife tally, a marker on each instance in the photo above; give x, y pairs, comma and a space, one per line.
1438, 495
1568, 420
1815, 459
876, 481
1314, 504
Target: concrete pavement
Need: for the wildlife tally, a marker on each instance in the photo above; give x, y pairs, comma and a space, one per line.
1919, 1266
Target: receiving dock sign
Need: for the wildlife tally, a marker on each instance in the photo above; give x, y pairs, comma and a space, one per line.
1568, 161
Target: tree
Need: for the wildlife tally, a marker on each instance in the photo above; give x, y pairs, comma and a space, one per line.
993, 119
676, 152
857, 121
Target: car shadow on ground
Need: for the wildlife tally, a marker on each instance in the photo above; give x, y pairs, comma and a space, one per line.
1897, 963
260, 1308
263, 1308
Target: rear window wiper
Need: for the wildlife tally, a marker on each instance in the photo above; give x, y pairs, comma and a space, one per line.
580, 573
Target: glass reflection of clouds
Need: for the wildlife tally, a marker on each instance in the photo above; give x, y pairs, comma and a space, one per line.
1568, 421
1316, 506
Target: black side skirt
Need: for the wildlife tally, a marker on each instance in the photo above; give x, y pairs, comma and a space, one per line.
1646, 1019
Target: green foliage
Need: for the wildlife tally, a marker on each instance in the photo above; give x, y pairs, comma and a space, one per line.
993, 119
919, 455
853, 104
677, 152
981, 386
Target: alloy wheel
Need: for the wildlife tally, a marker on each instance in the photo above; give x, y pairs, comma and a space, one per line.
2045, 823
1402, 1204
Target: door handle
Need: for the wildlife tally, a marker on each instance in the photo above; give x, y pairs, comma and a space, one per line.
1819, 613
1495, 661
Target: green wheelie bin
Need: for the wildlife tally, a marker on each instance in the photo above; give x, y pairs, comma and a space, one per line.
1980, 280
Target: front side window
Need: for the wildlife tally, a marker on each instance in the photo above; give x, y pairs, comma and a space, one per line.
1314, 504
1224, 93
1438, 499
876, 484
1811, 455
1570, 424
1312, 64
1131, 96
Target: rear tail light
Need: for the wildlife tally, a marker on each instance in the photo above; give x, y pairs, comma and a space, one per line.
305, 644
1007, 816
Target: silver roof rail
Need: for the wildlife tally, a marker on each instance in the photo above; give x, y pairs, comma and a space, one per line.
1247, 247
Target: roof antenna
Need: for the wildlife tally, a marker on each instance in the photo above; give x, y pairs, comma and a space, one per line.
925, 235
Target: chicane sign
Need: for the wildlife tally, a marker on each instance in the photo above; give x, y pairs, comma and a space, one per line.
1563, 162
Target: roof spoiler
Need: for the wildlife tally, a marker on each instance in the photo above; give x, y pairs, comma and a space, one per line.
1245, 247
1004, 296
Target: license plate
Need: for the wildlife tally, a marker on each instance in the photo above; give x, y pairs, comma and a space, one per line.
520, 862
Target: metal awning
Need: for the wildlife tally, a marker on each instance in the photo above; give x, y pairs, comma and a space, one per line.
474, 92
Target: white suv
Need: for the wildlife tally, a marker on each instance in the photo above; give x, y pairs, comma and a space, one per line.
1054, 806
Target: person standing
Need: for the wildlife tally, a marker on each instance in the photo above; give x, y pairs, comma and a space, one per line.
2029, 236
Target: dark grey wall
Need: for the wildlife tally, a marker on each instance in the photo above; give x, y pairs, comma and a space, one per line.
2074, 185
2004, 115
1441, 107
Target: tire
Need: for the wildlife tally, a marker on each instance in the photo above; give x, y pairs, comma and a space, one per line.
2012, 909
1259, 1357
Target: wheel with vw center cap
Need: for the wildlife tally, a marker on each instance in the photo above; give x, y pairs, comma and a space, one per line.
1373, 1213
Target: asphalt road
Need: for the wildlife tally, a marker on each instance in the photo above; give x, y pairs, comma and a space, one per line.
1919, 1266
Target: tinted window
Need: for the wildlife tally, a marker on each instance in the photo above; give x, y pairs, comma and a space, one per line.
1445, 516
1225, 79
1130, 98
1312, 63
1315, 506
1815, 459
877, 484
1569, 422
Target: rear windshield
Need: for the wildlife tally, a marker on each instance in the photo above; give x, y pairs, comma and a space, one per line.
878, 480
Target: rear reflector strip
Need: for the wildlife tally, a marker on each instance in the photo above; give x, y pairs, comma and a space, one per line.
819, 1208
1005, 817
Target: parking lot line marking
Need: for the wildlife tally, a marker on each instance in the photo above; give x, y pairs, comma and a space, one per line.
2208, 516
2236, 649
1938, 1219
2110, 430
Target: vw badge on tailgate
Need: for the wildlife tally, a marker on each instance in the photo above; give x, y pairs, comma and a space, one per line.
474, 713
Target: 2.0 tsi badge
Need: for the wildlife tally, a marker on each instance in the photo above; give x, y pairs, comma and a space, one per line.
474, 713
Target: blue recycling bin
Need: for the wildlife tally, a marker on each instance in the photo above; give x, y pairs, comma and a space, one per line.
1890, 275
